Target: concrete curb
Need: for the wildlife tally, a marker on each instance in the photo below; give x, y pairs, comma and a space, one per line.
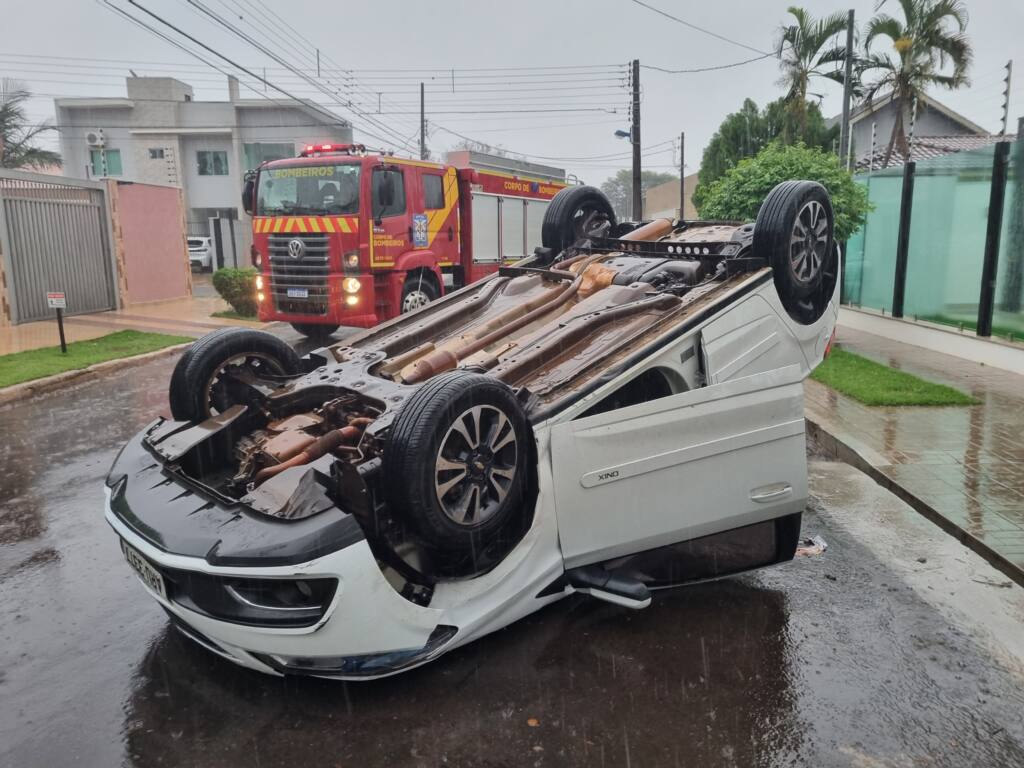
35, 387
851, 451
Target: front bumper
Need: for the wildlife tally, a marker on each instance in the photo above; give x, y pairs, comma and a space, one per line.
367, 631
324, 304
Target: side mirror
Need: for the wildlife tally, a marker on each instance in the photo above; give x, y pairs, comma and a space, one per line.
247, 194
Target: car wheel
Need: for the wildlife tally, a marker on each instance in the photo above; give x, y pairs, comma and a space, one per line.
459, 446
793, 232
197, 390
418, 290
575, 214
315, 331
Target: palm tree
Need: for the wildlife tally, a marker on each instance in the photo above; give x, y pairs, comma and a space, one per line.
16, 135
930, 39
809, 49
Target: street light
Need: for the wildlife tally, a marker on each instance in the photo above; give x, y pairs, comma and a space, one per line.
623, 134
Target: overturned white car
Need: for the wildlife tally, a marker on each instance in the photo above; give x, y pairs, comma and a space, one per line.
620, 413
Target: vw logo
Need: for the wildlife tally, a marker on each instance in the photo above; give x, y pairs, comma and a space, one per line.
296, 248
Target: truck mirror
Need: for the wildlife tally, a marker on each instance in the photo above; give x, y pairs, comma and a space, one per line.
247, 193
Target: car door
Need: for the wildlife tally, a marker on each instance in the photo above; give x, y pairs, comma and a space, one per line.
440, 212
679, 467
391, 219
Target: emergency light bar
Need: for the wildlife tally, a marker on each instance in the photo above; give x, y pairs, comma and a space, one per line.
312, 150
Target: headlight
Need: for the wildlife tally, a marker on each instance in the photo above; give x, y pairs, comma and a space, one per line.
351, 300
352, 260
259, 282
350, 285
260, 296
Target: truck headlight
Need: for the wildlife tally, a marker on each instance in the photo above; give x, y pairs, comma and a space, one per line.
260, 296
259, 282
351, 300
350, 285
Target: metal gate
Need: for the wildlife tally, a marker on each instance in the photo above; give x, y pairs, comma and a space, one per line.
55, 236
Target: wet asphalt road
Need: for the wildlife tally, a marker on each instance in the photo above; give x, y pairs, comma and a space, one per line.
829, 660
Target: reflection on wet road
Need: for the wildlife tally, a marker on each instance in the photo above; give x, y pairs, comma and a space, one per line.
826, 660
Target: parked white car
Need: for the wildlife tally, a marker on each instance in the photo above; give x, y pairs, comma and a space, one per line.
200, 253
621, 413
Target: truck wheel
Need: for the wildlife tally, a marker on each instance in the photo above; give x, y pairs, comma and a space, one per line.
315, 331
576, 213
197, 390
793, 232
457, 462
418, 290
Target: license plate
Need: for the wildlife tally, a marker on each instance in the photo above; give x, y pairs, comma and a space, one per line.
150, 576
298, 293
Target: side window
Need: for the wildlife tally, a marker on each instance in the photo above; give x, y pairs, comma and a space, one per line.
388, 192
433, 192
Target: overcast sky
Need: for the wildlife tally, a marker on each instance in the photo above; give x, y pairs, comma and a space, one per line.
501, 106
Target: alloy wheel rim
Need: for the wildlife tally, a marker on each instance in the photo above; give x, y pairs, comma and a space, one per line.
808, 242
475, 465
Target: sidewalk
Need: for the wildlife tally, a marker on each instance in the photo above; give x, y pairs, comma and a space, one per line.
961, 466
182, 317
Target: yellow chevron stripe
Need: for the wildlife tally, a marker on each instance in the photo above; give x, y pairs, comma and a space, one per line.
328, 225
300, 224
343, 226
277, 224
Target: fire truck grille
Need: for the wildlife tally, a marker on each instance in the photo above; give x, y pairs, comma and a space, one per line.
299, 283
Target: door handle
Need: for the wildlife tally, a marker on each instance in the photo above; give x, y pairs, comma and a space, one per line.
767, 493
410, 235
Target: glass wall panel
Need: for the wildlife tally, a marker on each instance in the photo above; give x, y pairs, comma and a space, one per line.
1008, 318
871, 253
947, 237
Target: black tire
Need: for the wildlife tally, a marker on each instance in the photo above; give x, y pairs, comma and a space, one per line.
315, 331
420, 288
194, 394
425, 432
793, 232
575, 213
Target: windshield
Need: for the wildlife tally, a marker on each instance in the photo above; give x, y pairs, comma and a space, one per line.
309, 190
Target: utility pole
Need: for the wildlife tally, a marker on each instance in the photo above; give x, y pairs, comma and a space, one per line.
423, 125
682, 176
844, 131
1006, 97
638, 199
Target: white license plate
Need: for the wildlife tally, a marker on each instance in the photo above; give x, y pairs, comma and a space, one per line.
298, 293
150, 576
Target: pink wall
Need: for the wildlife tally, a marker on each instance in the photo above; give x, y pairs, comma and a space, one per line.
151, 221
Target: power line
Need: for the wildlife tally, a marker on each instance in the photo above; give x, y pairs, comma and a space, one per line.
706, 69
723, 38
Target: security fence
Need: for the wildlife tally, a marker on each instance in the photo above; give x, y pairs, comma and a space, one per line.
945, 241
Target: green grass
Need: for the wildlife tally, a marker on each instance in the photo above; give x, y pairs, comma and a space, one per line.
230, 314
37, 363
1003, 331
875, 384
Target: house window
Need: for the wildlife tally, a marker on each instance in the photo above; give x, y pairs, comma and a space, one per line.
212, 162
264, 152
433, 192
105, 162
156, 153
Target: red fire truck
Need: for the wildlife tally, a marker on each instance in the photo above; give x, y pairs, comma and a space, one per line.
343, 236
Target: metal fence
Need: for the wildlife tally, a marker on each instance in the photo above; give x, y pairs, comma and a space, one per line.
55, 235
945, 242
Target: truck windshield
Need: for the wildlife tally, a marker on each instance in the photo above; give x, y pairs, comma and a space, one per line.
310, 190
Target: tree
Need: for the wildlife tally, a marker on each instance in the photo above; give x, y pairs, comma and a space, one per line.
16, 135
930, 38
619, 188
747, 132
739, 193
809, 49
